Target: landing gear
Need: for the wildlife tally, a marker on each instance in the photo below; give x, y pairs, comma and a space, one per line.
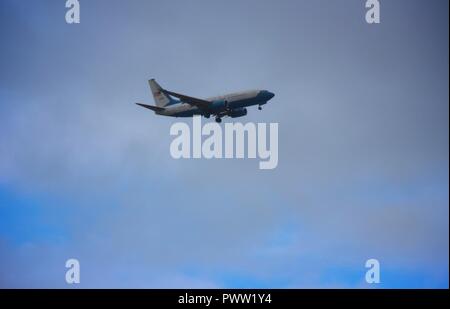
259, 107
218, 119
207, 116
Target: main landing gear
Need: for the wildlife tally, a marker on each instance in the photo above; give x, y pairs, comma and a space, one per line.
218, 119
259, 107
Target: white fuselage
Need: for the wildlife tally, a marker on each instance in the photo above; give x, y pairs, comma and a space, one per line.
234, 100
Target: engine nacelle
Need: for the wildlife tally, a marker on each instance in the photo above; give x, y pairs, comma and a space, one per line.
237, 112
219, 105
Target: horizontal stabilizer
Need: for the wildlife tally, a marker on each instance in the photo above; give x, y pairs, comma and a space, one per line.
151, 107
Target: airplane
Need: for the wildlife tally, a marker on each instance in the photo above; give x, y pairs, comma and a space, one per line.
234, 105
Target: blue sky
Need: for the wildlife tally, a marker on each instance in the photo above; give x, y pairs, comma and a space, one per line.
363, 145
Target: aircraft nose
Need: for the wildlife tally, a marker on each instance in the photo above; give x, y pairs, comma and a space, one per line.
267, 95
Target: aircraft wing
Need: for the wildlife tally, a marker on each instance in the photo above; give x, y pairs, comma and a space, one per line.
200, 103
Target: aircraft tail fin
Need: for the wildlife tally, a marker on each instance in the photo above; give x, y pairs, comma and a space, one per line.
161, 99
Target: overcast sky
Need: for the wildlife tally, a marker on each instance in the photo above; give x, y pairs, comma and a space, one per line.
363, 145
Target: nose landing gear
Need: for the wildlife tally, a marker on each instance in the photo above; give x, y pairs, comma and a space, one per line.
259, 107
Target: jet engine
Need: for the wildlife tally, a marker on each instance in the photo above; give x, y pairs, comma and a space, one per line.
237, 112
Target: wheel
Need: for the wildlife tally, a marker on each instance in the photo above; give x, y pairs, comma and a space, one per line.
207, 116
218, 120
259, 107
